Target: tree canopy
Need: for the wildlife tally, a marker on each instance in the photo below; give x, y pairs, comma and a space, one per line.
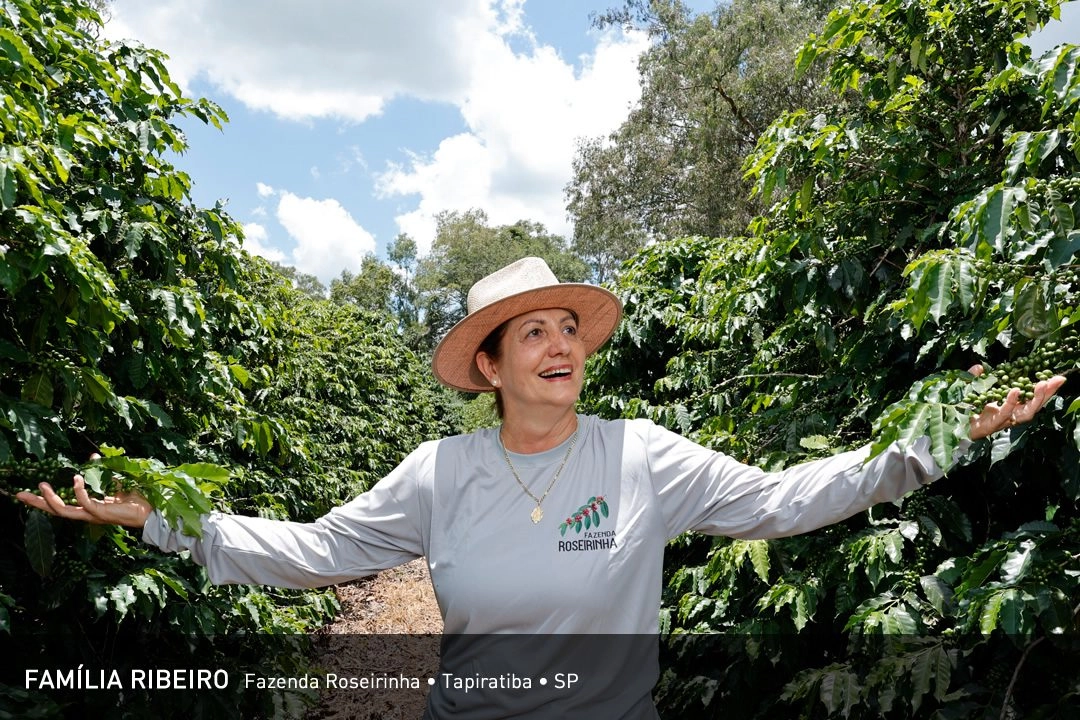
466, 248
711, 84
920, 222
133, 325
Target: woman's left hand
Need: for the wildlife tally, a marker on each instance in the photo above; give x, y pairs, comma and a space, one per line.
1012, 412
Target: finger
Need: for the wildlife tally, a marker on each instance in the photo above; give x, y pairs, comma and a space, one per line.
54, 502
34, 501
55, 505
976, 370
1008, 408
86, 502
1053, 385
1043, 391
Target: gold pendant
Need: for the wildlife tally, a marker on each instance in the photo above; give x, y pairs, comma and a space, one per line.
537, 515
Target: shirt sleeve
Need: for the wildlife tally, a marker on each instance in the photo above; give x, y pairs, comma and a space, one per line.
383, 527
709, 492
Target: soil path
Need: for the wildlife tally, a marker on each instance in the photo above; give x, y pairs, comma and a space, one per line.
389, 626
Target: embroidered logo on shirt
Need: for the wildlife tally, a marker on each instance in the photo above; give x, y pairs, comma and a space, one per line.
587, 516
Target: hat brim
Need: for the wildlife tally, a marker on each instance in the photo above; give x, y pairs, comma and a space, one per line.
454, 360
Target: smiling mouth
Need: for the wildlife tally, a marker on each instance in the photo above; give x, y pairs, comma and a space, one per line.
556, 373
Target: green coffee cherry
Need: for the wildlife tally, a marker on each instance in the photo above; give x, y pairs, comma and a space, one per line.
1024, 372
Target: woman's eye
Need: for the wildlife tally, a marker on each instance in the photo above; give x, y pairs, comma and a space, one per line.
570, 330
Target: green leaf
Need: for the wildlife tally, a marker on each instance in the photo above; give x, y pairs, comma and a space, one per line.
759, 558
994, 210
94, 477
1017, 562
195, 496
27, 427
938, 593
1000, 611
917, 53
38, 540
1032, 314
241, 375
945, 429
814, 442
122, 596
173, 583
922, 670
1063, 216
837, 22
178, 510
806, 195
840, 691
1063, 249
17, 51
899, 620
914, 424
805, 605
205, 471
38, 388
1019, 143
148, 585
940, 280
943, 667
1011, 613
1029, 150
7, 187
96, 384
803, 61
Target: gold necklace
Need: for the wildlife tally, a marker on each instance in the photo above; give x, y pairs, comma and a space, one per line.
538, 513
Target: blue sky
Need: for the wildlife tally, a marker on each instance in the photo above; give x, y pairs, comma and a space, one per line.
352, 121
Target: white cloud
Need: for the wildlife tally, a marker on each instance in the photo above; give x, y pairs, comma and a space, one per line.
327, 238
255, 242
263, 189
525, 113
333, 58
523, 108
352, 157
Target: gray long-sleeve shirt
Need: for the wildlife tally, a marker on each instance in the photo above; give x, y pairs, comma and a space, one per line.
593, 565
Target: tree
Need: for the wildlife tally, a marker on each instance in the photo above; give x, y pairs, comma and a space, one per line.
305, 283
371, 288
466, 249
133, 324
711, 84
406, 301
922, 222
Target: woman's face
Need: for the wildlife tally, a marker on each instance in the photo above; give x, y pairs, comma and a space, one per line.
541, 361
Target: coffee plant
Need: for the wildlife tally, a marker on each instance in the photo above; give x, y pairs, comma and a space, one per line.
922, 225
133, 326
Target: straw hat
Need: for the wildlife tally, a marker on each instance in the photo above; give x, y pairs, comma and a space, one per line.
518, 288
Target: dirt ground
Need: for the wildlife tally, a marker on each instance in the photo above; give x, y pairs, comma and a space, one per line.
361, 643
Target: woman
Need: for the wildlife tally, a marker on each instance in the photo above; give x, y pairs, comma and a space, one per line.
554, 523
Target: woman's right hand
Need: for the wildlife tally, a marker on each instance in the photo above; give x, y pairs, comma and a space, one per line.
125, 508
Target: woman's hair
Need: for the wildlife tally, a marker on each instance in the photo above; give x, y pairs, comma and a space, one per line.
492, 347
